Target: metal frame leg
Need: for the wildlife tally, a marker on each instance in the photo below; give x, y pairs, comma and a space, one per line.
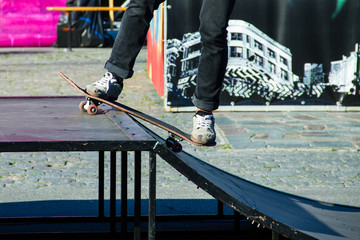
124, 194
101, 184
220, 208
236, 221
69, 32
152, 195
137, 196
112, 191
275, 235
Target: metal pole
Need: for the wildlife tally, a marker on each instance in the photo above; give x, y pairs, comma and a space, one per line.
124, 196
111, 14
112, 191
152, 195
101, 183
236, 221
275, 235
69, 31
357, 79
220, 208
137, 196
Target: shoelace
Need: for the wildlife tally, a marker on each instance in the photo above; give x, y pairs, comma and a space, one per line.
105, 80
203, 122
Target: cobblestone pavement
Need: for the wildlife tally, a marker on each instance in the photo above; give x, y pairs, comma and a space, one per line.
311, 154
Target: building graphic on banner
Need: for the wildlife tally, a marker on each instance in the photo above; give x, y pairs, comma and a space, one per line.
343, 72
260, 72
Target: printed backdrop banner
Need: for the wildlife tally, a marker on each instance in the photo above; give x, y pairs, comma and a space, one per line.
155, 51
293, 52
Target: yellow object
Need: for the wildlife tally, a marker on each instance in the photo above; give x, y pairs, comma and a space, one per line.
83, 9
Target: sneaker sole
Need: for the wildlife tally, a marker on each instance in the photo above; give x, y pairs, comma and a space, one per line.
99, 96
209, 144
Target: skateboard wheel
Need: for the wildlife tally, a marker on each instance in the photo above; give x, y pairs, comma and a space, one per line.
92, 110
173, 145
176, 147
82, 106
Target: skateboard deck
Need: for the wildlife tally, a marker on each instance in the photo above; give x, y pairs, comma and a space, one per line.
92, 102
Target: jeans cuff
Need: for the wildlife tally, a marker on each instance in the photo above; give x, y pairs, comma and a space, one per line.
118, 71
205, 105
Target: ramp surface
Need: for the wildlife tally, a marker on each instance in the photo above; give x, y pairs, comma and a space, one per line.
56, 124
290, 215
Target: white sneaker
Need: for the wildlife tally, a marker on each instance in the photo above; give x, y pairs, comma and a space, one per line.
204, 129
107, 87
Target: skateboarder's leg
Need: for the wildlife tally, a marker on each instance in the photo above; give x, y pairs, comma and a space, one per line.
127, 45
214, 19
131, 37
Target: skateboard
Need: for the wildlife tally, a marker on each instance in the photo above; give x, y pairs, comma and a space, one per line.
91, 107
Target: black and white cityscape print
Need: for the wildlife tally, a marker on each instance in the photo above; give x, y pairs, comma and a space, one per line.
263, 71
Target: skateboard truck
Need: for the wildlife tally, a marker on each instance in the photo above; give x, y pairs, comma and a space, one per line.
173, 143
89, 106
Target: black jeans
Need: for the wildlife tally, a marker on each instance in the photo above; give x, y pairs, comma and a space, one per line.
214, 17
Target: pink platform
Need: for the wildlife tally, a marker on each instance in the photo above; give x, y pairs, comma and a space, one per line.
27, 23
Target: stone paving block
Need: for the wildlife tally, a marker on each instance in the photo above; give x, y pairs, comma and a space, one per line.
289, 128
288, 144
316, 134
335, 145
237, 142
288, 135
355, 129
246, 122
303, 117
233, 130
315, 127
223, 120
259, 136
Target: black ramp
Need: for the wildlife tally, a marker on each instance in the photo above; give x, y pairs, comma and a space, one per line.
287, 214
290, 215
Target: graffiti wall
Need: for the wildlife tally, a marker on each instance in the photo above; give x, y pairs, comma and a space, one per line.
25, 23
294, 52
